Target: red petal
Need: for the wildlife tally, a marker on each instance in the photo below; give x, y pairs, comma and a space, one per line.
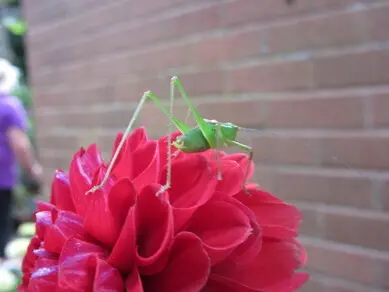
77, 264
134, 282
29, 260
67, 224
145, 165
60, 192
275, 264
43, 221
277, 219
44, 279
83, 168
192, 186
44, 206
252, 246
105, 223
243, 161
232, 178
136, 139
154, 226
187, 270
107, 279
123, 253
222, 227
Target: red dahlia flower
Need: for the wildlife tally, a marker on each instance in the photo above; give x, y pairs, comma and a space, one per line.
202, 234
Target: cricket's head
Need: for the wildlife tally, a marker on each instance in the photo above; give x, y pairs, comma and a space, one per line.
229, 131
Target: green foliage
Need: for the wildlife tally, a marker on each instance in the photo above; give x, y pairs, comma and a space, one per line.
11, 3
17, 27
16, 31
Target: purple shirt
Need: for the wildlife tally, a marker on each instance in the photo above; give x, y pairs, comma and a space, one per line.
12, 114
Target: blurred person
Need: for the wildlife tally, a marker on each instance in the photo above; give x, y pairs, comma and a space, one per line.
15, 147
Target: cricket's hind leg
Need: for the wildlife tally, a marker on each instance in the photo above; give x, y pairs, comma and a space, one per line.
218, 147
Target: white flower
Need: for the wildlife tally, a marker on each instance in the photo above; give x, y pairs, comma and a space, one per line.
9, 76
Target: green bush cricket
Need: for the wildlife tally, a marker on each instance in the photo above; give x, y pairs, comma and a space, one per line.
208, 134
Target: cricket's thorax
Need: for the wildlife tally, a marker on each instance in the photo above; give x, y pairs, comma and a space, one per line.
194, 140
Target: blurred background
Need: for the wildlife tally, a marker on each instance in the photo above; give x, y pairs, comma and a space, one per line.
311, 74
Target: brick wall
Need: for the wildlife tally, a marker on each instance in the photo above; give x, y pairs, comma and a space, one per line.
313, 74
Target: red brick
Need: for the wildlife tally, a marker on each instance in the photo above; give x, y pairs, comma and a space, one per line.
326, 112
384, 195
313, 285
325, 188
150, 6
357, 228
341, 261
59, 142
272, 149
56, 162
216, 49
312, 224
333, 29
271, 77
362, 69
341, 3
356, 152
158, 60
240, 11
380, 109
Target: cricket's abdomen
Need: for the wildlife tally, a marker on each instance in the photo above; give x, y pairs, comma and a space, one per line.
192, 141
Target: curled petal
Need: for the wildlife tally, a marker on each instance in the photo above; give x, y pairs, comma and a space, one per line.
187, 270
60, 192
275, 265
123, 253
277, 219
222, 227
252, 246
84, 167
154, 227
106, 211
193, 184
145, 165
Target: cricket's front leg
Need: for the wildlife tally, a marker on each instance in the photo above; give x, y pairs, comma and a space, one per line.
167, 185
121, 144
